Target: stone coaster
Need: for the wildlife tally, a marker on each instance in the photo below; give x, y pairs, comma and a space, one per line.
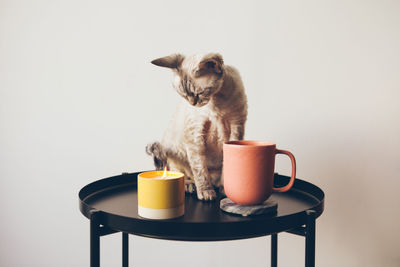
268, 206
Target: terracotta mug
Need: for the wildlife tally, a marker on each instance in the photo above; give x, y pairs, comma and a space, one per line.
248, 171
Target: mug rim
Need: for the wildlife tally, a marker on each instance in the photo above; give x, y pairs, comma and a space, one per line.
249, 143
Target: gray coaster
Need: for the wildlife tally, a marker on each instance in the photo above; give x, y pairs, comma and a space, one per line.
268, 206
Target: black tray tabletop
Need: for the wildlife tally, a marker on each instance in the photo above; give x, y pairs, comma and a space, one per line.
114, 200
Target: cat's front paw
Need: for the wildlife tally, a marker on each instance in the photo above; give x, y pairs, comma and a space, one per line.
206, 194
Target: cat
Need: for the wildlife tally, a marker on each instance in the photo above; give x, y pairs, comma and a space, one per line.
213, 110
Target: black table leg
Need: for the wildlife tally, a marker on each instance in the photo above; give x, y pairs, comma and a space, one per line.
310, 238
274, 250
94, 242
125, 249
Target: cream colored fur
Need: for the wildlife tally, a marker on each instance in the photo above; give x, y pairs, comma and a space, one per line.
213, 110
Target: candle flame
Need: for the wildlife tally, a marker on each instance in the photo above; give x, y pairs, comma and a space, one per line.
165, 172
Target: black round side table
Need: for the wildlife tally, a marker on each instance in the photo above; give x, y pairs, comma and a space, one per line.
111, 206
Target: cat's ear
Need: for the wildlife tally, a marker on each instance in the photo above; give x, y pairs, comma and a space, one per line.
173, 61
211, 63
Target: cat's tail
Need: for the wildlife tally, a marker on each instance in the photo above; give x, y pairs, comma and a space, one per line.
159, 156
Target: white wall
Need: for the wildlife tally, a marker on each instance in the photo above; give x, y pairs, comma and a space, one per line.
79, 101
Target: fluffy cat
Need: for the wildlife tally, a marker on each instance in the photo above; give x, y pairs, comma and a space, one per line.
213, 110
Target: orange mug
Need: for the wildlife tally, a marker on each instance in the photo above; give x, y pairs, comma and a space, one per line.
248, 171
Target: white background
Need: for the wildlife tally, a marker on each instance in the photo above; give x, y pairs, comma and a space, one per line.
79, 101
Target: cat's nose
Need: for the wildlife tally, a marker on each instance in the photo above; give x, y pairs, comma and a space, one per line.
195, 100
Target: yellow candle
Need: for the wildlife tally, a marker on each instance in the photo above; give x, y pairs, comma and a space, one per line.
161, 197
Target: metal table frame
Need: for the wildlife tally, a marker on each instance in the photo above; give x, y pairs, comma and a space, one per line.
98, 229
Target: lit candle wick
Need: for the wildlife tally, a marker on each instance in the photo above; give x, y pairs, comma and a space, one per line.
165, 173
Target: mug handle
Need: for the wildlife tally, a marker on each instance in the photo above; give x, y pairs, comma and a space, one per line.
290, 184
